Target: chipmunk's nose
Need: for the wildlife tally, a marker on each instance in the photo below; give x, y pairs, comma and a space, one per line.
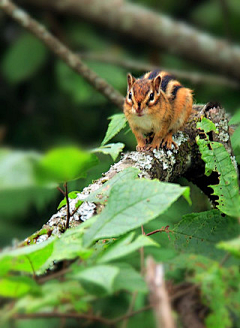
139, 107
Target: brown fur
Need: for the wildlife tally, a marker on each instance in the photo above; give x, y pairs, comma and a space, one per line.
150, 110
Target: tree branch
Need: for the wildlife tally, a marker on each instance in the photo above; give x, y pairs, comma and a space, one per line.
193, 77
158, 294
71, 59
164, 165
154, 29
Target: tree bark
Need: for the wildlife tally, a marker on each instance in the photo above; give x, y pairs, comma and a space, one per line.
155, 30
165, 165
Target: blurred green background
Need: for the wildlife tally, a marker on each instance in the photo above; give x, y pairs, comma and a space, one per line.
45, 104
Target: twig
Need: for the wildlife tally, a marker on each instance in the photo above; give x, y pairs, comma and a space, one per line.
158, 294
154, 30
77, 316
130, 309
54, 275
163, 229
193, 77
68, 207
71, 59
61, 191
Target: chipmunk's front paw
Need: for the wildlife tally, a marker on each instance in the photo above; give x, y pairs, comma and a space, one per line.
168, 142
153, 146
141, 147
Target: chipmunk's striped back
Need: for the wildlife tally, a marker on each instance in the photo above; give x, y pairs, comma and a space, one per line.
169, 84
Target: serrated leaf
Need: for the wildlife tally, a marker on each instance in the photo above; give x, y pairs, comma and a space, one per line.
65, 164
24, 58
14, 287
110, 149
101, 275
125, 246
206, 125
232, 246
207, 155
198, 233
217, 159
117, 123
101, 194
131, 205
27, 259
129, 279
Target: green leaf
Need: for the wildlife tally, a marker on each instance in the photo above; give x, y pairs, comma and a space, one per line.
235, 141
235, 119
198, 233
213, 288
17, 169
24, 58
19, 184
118, 122
65, 164
217, 159
27, 259
71, 195
110, 149
101, 275
101, 194
131, 205
231, 246
206, 125
129, 279
69, 245
17, 286
125, 246
54, 296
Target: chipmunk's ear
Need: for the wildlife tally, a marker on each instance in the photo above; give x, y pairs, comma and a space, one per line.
130, 79
157, 83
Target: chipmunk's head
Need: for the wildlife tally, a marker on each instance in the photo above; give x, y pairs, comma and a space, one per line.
142, 95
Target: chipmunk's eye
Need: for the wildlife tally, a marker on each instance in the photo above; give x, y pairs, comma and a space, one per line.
130, 96
151, 97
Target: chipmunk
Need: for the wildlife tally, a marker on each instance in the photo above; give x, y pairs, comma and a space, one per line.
156, 105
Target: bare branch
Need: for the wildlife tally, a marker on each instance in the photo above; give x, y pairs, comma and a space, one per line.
71, 59
193, 77
158, 294
156, 30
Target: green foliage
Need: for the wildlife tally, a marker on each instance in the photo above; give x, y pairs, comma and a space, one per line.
123, 247
235, 138
17, 286
65, 164
74, 274
101, 194
23, 59
71, 195
217, 159
198, 233
117, 123
132, 205
232, 246
110, 149
27, 259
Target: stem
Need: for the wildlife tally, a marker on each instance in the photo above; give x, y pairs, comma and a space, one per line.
59, 49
